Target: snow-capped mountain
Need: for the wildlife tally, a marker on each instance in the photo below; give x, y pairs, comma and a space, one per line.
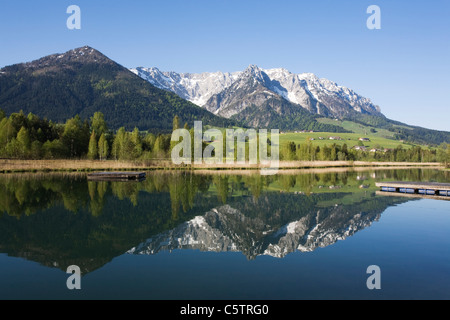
226, 229
195, 87
229, 94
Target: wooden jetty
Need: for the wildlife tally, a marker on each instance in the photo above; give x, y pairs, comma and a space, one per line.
116, 176
422, 189
408, 195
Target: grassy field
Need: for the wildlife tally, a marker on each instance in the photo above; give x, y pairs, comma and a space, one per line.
359, 128
351, 139
381, 138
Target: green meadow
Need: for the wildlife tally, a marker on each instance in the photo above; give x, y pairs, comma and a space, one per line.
351, 139
379, 138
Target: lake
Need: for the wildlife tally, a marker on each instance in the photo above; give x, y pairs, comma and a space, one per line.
221, 235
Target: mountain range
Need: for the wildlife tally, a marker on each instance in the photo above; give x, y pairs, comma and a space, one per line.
42, 219
83, 81
235, 227
277, 98
225, 229
228, 94
273, 98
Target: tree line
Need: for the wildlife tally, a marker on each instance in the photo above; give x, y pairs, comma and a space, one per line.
335, 152
30, 137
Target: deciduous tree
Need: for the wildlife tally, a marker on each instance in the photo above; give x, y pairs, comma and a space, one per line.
93, 147
103, 147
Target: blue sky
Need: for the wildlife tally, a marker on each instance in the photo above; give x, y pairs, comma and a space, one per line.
404, 67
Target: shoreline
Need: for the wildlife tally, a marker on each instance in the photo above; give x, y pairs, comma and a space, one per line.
12, 166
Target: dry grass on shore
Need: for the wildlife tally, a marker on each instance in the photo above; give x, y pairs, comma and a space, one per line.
10, 165
77, 165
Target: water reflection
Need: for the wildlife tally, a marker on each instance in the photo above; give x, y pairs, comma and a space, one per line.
63, 219
275, 225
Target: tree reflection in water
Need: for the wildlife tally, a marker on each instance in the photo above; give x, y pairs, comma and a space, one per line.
63, 219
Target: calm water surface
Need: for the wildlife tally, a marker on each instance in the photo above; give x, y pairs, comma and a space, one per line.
223, 236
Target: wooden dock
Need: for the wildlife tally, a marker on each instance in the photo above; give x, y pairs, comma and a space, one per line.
116, 176
408, 195
430, 189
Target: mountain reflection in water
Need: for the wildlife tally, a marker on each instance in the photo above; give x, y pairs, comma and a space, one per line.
301, 226
63, 219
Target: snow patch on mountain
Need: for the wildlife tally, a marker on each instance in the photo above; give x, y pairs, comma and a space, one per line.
195, 87
317, 95
226, 229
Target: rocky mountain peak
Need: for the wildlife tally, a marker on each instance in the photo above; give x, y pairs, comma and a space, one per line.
256, 73
55, 62
227, 229
230, 94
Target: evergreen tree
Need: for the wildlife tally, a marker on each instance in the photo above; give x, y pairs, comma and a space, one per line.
36, 150
149, 142
176, 123
18, 120
54, 149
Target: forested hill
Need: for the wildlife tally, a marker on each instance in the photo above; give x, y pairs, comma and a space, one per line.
83, 81
401, 130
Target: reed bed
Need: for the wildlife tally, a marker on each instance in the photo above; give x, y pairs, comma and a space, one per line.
12, 165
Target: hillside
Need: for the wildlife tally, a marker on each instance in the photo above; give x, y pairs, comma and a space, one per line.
389, 129
83, 81
272, 98
227, 94
277, 98
350, 139
248, 97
